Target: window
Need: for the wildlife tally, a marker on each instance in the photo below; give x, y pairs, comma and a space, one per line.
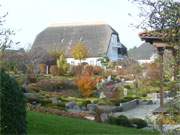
114, 39
72, 63
122, 51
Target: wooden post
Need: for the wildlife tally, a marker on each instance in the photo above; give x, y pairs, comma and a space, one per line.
161, 53
174, 52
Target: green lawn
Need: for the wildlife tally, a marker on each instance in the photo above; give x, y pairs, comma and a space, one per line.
46, 124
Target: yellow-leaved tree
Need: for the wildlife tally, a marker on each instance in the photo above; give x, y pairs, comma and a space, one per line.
80, 51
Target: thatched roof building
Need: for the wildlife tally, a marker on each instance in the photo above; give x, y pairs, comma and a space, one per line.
63, 37
96, 37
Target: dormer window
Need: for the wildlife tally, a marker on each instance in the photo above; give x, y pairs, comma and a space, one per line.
114, 38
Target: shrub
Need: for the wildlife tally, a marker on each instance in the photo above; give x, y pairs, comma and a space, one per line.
120, 120
12, 106
45, 102
62, 64
31, 78
50, 85
42, 68
123, 121
88, 69
77, 70
54, 70
127, 99
139, 123
34, 88
85, 102
127, 86
97, 70
86, 84
61, 104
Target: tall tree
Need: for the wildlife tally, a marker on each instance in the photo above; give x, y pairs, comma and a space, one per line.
5, 33
161, 16
80, 51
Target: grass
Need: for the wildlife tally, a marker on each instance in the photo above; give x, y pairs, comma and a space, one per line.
46, 124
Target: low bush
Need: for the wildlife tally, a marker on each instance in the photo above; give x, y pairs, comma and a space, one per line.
139, 123
51, 85
127, 99
88, 69
76, 70
61, 104
84, 103
31, 78
86, 84
34, 87
120, 120
45, 102
97, 70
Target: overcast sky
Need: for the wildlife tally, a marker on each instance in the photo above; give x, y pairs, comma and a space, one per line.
29, 17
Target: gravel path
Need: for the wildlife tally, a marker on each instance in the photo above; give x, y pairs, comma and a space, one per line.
141, 111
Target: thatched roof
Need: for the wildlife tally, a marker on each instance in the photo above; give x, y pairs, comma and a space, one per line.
62, 37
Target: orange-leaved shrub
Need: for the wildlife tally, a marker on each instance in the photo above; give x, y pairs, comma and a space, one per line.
88, 69
86, 84
97, 70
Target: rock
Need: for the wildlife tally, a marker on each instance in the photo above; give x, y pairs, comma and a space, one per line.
104, 117
73, 107
91, 107
117, 109
150, 102
70, 105
84, 108
31, 97
102, 95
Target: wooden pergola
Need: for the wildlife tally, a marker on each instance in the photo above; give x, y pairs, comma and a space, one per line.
157, 40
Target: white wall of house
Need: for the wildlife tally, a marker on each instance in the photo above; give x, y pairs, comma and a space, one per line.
151, 60
90, 61
112, 52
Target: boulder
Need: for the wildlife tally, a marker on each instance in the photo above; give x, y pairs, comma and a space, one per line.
91, 107
84, 108
104, 117
31, 97
70, 105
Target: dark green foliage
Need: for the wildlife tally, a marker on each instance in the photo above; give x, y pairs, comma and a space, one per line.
13, 113
45, 102
139, 123
120, 120
84, 103
127, 99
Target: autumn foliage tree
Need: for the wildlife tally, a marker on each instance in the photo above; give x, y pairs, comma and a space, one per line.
80, 51
86, 84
